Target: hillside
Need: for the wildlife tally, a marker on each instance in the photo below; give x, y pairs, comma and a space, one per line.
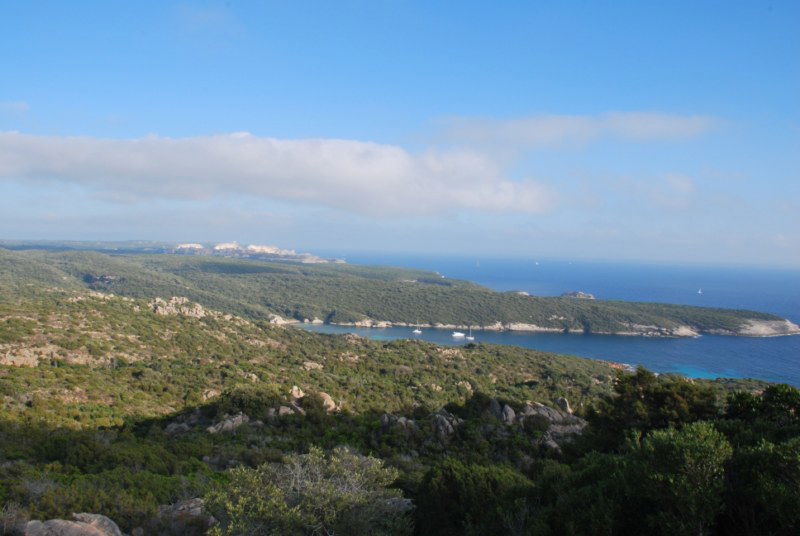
171, 418
366, 295
107, 346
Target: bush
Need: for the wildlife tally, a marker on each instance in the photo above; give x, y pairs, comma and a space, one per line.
685, 476
252, 400
15, 329
314, 494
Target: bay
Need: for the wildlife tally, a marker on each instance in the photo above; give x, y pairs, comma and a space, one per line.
762, 289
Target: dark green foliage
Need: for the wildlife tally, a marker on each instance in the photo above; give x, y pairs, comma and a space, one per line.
670, 482
778, 403
684, 477
642, 401
53, 473
252, 400
763, 490
597, 494
456, 498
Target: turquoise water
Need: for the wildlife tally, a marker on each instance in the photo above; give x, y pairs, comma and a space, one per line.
709, 356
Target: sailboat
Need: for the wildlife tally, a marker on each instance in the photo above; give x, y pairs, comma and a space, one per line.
417, 331
470, 337
699, 291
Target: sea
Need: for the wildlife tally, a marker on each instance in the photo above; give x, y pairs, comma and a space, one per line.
770, 290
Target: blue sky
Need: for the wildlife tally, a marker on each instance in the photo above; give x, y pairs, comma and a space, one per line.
620, 130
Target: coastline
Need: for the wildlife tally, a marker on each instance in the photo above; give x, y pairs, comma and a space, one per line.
752, 328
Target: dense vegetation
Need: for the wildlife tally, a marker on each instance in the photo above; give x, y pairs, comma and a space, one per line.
342, 293
106, 348
113, 416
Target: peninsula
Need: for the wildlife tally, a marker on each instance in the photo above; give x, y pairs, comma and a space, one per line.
369, 296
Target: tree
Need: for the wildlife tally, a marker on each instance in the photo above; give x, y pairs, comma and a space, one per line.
685, 477
457, 498
778, 403
644, 402
763, 490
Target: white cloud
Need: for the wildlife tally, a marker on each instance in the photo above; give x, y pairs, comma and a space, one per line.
543, 130
362, 177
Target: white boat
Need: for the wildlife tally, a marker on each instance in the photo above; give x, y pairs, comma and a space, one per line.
470, 337
417, 331
700, 291
458, 335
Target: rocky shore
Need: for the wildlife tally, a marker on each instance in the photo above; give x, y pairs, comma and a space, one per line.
750, 328
762, 328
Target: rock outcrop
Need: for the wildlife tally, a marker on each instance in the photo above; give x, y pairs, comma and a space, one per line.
186, 517
279, 320
175, 428
765, 328
561, 425
508, 415
389, 421
558, 425
563, 403
463, 384
647, 330
495, 410
328, 403
83, 525
501, 412
177, 306
208, 394
444, 423
229, 423
283, 410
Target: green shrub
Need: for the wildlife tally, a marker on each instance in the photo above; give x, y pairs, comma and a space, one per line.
685, 476
311, 494
252, 400
15, 329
